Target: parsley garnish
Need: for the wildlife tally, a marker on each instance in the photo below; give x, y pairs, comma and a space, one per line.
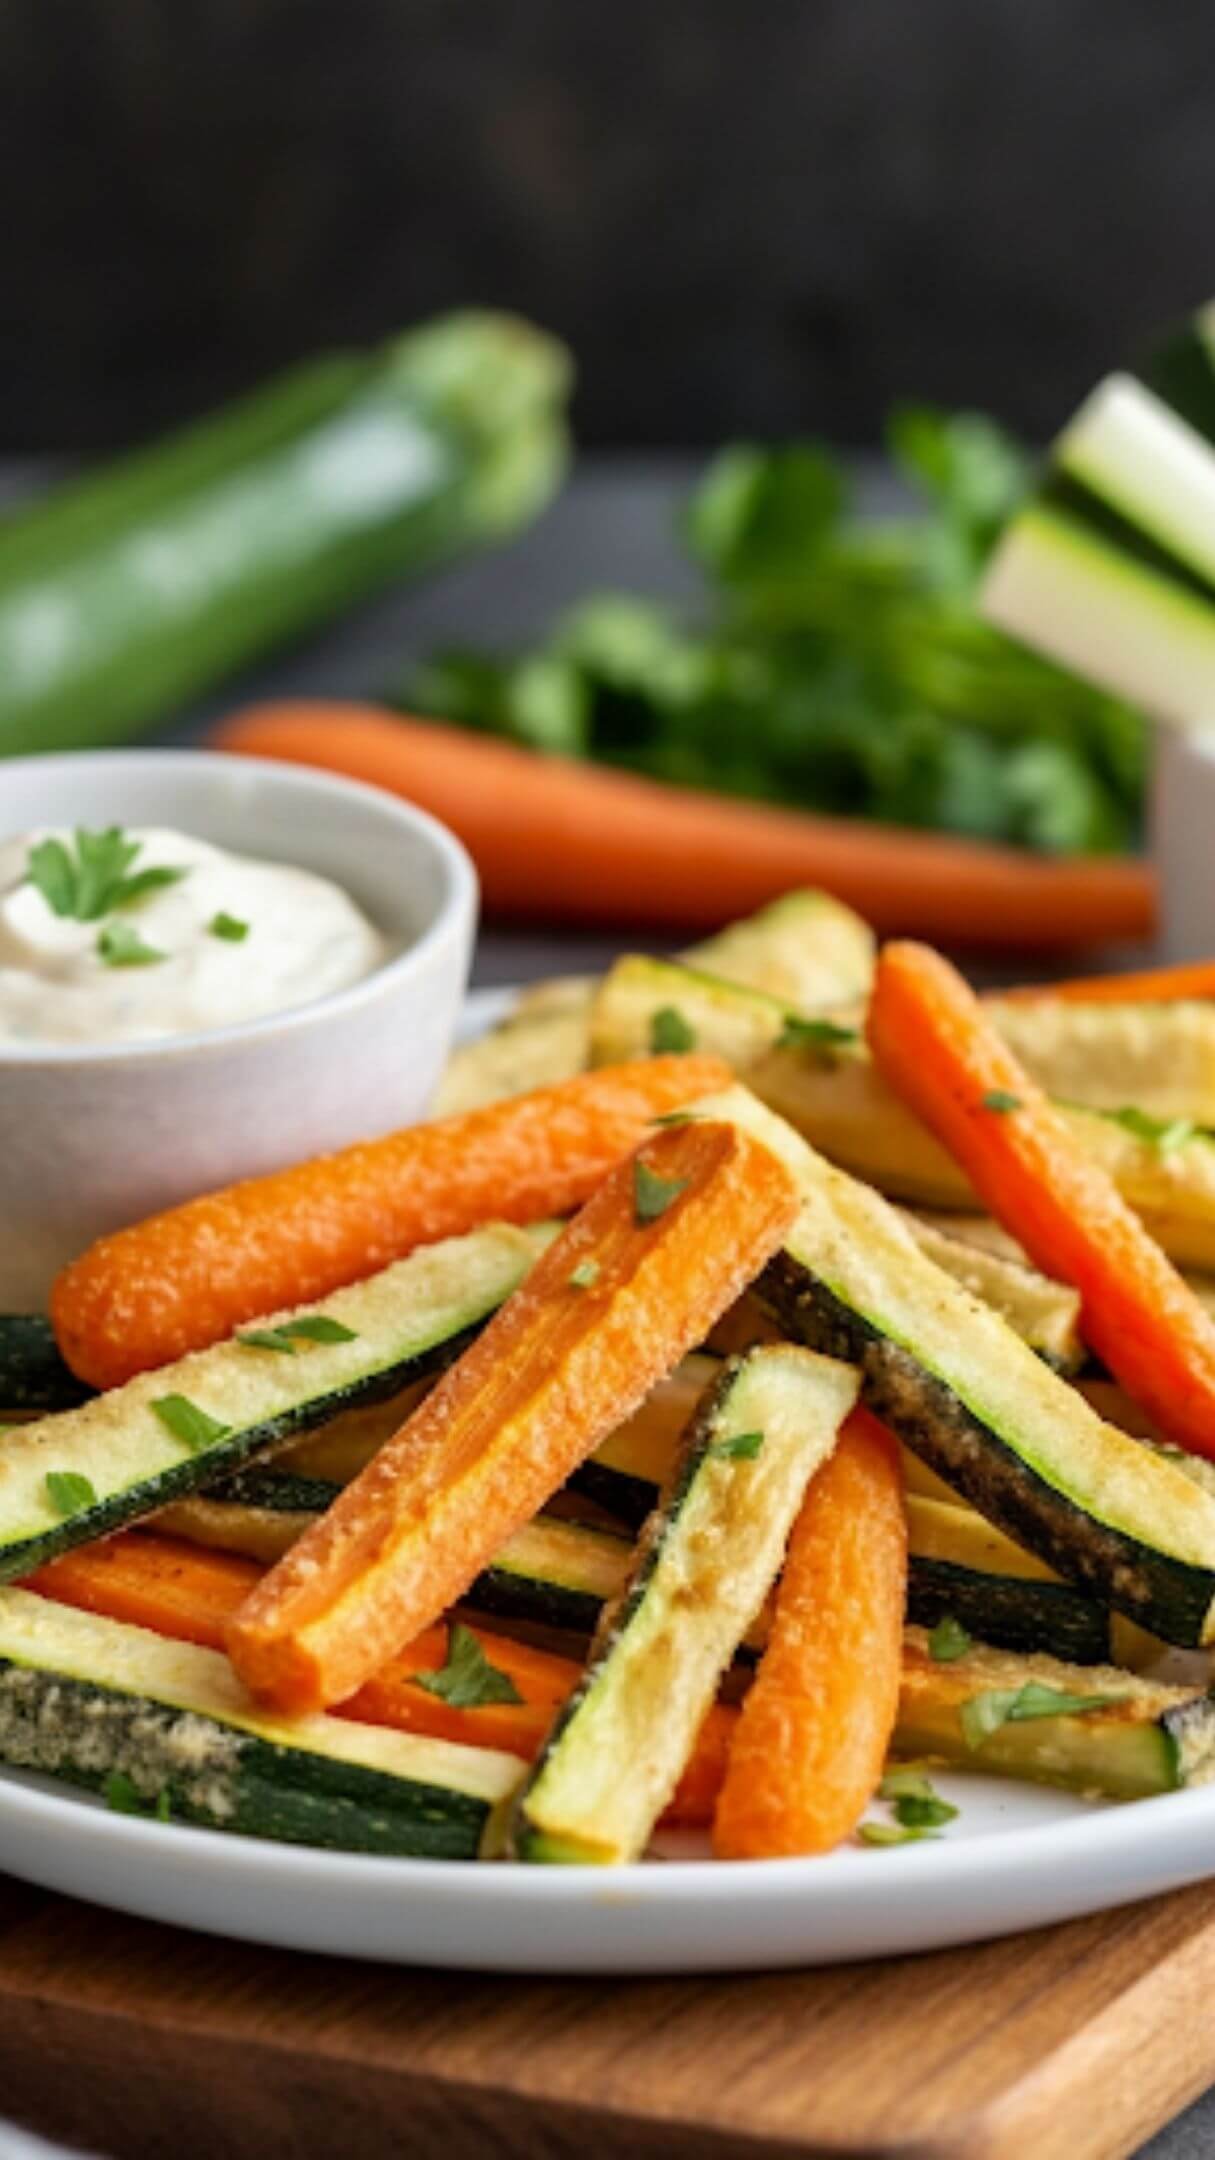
984, 1714
948, 1640
310, 1327
999, 1100
69, 1491
800, 1034
915, 1804
466, 1679
674, 1117
187, 1422
585, 1275
97, 878
228, 927
652, 1194
885, 1833
121, 1793
121, 946
669, 1031
743, 1447
1164, 1134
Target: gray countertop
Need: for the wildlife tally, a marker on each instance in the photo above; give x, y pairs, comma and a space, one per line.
614, 527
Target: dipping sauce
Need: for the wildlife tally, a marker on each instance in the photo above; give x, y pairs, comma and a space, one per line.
138, 935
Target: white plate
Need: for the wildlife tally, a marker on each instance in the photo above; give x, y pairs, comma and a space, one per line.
1018, 1856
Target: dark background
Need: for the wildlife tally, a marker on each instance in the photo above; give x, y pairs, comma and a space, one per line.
746, 215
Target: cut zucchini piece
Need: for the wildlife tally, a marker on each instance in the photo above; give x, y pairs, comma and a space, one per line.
705, 1565
1045, 1314
1160, 1057
84, 1698
952, 1379
33, 1376
961, 1567
222, 1405
830, 1091
1150, 1739
806, 949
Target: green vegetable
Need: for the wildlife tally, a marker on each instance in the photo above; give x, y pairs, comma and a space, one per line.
121, 946
984, 1714
1164, 1134
999, 1100
743, 1447
915, 1804
98, 877
68, 1491
160, 575
228, 927
948, 1640
466, 1679
669, 1031
881, 1833
838, 666
309, 1327
800, 1034
652, 1194
33, 1375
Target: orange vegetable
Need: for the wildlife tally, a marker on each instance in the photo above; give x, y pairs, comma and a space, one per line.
936, 1046
810, 1744
559, 1366
187, 1278
557, 838
177, 1590
1152, 986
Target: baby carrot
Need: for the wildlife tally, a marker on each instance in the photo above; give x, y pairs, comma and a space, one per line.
810, 1744
556, 838
187, 1278
937, 1047
1151, 986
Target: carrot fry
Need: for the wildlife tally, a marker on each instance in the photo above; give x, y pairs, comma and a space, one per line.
638, 1278
172, 1588
808, 1750
939, 1050
1151, 986
187, 1278
553, 837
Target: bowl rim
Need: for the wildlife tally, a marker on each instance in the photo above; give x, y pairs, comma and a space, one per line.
459, 899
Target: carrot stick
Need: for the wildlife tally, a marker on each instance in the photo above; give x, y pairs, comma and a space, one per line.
1152, 986
187, 1278
808, 1750
556, 838
637, 1279
939, 1050
172, 1588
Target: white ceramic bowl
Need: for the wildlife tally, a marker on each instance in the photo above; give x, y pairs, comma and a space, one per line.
94, 1137
1183, 839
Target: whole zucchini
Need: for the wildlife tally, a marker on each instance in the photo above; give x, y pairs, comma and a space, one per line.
159, 575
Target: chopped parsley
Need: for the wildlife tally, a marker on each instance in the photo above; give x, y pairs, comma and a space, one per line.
69, 1491
1164, 1134
948, 1640
466, 1679
120, 946
801, 1034
585, 1275
197, 1428
999, 1100
93, 877
652, 1194
886, 1833
228, 927
122, 1795
914, 1802
310, 1327
742, 1447
670, 1032
984, 1714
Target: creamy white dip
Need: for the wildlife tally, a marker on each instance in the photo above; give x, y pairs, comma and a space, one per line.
230, 939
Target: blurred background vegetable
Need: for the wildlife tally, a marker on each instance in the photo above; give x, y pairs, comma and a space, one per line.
838, 663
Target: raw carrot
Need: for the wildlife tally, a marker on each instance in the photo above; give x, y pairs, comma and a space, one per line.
809, 1747
1151, 986
174, 1589
552, 837
937, 1047
666, 1243
185, 1279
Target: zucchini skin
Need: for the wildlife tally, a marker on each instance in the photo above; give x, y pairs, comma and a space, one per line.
1010, 1613
1171, 1598
266, 1791
253, 515
33, 1376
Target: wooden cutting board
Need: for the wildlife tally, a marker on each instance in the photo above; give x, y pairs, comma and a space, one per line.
1074, 2043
